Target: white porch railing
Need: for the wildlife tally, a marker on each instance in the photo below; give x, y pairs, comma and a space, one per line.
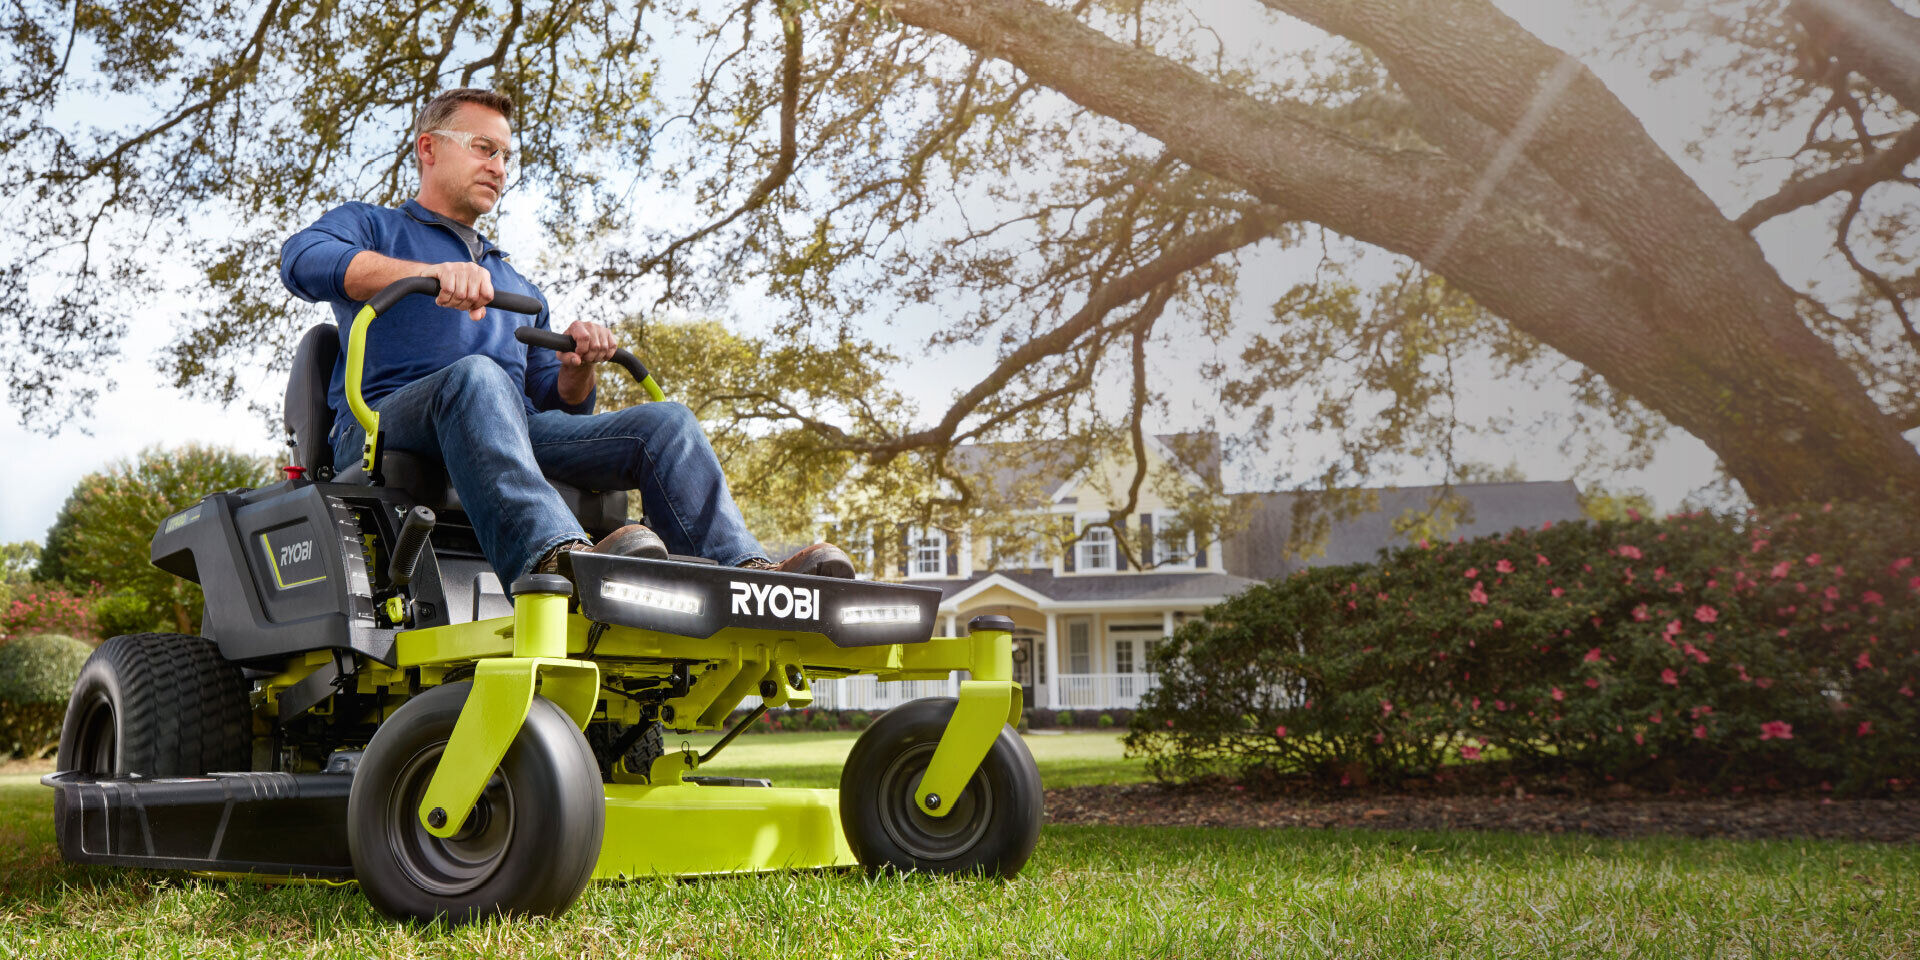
866, 693
1078, 691
1103, 691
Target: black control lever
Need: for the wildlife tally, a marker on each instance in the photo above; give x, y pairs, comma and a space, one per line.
412, 540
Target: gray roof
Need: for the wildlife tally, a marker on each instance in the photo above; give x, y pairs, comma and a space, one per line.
1147, 587
1259, 550
1023, 472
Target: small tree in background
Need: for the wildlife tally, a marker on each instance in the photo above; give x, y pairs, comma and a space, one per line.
104, 530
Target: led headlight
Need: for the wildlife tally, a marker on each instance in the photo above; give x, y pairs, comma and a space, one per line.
687, 603
862, 615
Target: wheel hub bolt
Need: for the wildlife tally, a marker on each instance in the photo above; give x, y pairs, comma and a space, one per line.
933, 801
437, 818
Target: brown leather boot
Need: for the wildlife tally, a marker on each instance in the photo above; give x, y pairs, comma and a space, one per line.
819, 560
632, 540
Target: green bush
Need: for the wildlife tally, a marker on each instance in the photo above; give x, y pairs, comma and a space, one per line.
823, 720
860, 721
1105, 721
1702, 649
1064, 718
124, 612
37, 673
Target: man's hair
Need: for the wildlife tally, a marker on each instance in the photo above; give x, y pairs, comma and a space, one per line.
440, 110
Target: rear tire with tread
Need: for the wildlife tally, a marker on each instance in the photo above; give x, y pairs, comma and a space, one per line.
159, 705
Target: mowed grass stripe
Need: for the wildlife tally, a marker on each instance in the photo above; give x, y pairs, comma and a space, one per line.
1089, 892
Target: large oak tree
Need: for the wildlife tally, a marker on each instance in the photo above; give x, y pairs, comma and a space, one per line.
1079, 188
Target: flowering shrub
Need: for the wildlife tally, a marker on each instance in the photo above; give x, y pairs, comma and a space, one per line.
1700, 649
49, 608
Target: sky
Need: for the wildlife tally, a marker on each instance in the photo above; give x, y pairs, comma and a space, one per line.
137, 409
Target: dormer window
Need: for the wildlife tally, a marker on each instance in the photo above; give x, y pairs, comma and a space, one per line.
927, 553
1095, 551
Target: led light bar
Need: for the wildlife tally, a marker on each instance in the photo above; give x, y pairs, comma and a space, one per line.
687, 603
863, 615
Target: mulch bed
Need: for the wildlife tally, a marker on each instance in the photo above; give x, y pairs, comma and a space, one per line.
1895, 820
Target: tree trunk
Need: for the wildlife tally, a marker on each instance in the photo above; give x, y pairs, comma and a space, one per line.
1597, 244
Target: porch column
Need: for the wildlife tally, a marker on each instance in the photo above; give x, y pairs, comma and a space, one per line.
1053, 661
1166, 622
953, 620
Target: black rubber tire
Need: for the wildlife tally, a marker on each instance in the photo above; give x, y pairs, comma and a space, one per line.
992, 827
159, 705
546, 792
639, 758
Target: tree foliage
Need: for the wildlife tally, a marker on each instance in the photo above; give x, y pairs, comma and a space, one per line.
1078, 190
104, 531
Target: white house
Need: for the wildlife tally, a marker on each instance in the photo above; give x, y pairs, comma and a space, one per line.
1085, 619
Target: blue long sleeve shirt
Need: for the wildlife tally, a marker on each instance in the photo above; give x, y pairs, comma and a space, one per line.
416, 336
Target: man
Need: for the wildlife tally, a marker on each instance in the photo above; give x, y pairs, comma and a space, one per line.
452, 383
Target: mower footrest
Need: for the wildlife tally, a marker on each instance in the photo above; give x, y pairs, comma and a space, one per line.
280, 824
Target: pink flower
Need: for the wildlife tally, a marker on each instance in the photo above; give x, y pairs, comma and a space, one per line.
1379, 738
1386, 707
1472, 572
1705, 614
1669, 678
1639, 737
1500, 705
1593, 656
1503, 567
1280, 732
1866, 728
1872, 598
1700, 732
1558, 694
1469, 752
1776, 729
1863, 662
1556, 591
1813, 559
1629, 551
1540, 560
1763, 682
1903, 563
1640, 613
1593, 682
1906, 690
1780, 569
1477, 595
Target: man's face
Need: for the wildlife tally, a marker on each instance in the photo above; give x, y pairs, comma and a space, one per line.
461, 174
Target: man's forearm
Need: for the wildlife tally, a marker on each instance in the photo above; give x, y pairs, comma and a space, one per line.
575, 384
369, 272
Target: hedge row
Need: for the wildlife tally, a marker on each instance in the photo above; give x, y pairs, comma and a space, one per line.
1704, 649
37, 673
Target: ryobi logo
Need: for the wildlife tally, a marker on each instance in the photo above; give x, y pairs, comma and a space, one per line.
775, 600
294, 553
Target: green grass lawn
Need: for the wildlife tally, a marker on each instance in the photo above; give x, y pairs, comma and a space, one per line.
1093, 892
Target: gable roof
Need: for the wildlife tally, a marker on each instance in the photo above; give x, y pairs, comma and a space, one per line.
1028, 472
1258, 550
1048, 591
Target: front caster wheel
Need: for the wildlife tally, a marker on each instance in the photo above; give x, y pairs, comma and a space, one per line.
992, 826
530, 844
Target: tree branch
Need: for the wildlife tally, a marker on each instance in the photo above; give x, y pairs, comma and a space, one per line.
1887, 164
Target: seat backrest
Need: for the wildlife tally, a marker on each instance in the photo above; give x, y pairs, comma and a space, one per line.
308, 417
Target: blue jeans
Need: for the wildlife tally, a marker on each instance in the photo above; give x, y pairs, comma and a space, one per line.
470, 417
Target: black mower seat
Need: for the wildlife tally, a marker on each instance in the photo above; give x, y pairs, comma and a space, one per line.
308, 419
